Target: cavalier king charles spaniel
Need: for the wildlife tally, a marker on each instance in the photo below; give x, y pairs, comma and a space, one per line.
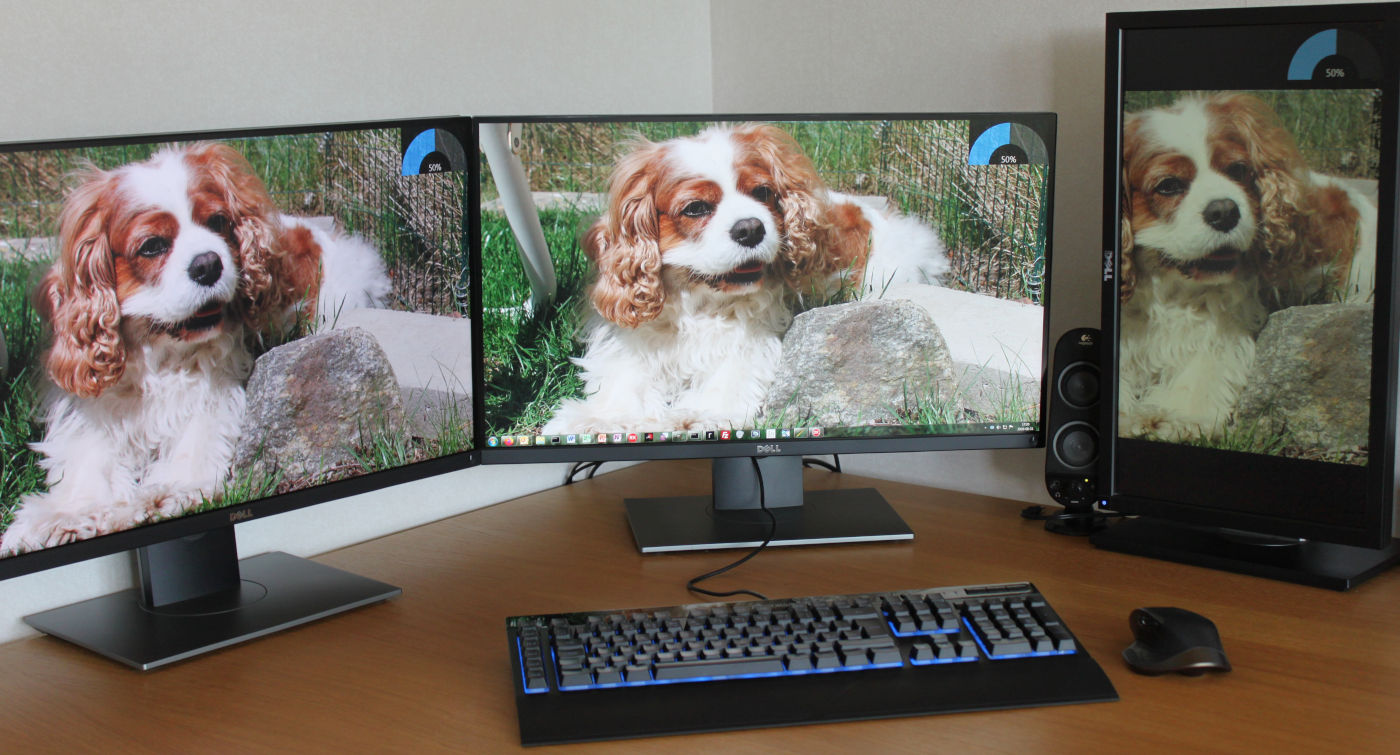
705, 248
166, 270
1222, 223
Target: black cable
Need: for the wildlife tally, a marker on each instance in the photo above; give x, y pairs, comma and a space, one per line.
772, 530
591, 466
833, 466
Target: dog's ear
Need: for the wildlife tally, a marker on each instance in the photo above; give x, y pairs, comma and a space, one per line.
807, 217
624, 244
1127, 269
1280, 173
78, 295
266, 284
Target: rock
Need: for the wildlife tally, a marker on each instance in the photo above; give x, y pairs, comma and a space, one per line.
860, 363
1311, 379
432, 359
313, 402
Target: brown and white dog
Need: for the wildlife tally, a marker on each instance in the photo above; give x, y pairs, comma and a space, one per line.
705, 245
165, 268
1222, 223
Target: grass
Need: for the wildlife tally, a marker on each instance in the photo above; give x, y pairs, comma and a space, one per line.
19, 390
32, 184
527, 370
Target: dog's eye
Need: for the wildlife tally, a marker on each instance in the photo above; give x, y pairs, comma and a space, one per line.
1169, 187
762, 193
697, 209
1240, 172
154, 246
218, 223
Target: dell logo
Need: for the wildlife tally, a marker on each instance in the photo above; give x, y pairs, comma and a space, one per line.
1108, 266
235, 517
769, 448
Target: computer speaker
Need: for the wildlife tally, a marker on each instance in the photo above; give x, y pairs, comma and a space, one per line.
1072, 432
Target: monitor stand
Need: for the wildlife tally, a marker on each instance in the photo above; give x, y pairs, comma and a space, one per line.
196, 597
1336, 567
731, 518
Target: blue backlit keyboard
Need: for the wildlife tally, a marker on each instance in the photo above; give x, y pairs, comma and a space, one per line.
709, 666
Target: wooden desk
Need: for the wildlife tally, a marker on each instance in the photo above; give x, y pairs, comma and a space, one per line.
1313, 670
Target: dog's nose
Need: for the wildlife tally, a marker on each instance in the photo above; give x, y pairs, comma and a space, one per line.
1222, 214
206, 268
747, 232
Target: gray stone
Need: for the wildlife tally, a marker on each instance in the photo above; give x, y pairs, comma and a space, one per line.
544, 200
432, 360
313, 403
995, 345
1311, 380
860, 363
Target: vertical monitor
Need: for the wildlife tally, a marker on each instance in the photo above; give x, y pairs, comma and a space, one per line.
1249, 278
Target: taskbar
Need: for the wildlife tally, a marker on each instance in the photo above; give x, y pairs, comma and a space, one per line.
761, 434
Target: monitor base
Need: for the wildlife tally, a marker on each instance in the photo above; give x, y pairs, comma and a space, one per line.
276, 591
687, 523
1335, 567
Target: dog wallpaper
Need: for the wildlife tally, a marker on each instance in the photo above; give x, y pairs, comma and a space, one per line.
1244, 214
141, 285
683, 251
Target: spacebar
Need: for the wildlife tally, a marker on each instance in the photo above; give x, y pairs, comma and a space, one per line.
719, 667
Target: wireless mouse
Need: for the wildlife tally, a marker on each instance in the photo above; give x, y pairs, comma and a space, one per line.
1174, 639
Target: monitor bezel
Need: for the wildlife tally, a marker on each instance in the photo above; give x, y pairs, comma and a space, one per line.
193, 524
1270, 478
1046, 125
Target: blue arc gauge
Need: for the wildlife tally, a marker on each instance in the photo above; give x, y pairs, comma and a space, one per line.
1008, 144
1337, 56
433, 151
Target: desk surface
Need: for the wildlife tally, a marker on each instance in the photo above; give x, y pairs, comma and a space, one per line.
1313, 669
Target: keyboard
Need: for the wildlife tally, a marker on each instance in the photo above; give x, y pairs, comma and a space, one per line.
718, 666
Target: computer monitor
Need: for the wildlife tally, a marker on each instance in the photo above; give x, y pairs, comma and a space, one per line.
1249, 289
762, 287
204, 328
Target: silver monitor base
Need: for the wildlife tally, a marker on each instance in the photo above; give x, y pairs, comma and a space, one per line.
277, 591
826, 516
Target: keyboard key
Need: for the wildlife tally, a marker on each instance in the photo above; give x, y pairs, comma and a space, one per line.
719, 668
